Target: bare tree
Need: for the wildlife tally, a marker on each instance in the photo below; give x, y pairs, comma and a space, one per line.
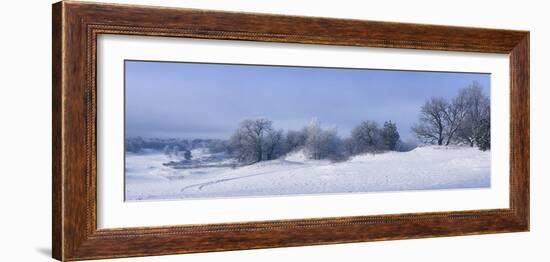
367, 137
274, 146
242, 146
463, 119
250, 141
349, 146
314, 139
454, 114
477, 103
431, 126
295, 139
334, 148
321, 144
217, 146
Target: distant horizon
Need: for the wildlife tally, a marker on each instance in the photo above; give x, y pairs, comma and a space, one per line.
180, 100
191, 137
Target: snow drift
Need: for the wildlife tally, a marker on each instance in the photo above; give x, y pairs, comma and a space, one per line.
424, 168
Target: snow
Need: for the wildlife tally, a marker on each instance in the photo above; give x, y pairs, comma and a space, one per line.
424, 168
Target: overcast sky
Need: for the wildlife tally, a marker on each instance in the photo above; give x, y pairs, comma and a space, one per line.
190, 100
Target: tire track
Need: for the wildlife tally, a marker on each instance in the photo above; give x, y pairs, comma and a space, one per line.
200, 186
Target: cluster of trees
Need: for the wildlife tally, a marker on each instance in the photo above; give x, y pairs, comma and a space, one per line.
464, 119
257, 140
368, 137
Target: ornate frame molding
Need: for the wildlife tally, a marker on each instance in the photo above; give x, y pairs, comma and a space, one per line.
76, 26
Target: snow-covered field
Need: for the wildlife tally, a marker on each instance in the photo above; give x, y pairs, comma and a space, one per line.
423, 168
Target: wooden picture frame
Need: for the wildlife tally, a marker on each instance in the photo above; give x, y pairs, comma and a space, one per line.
76, 26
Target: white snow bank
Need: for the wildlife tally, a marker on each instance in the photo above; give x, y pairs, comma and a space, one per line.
297, 156
423, 168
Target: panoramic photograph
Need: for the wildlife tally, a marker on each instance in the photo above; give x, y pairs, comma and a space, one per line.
207, 130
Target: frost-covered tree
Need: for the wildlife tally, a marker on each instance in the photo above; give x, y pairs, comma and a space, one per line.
335, 148
477, 103
322, 144
274, 144
483, 138
217, 146
390, 135
248, 140
256, 140
367, 137
440, 120
483, 142
295, 140
134, 145
431, 123
454, 116
349, 146
463, 119
314, 139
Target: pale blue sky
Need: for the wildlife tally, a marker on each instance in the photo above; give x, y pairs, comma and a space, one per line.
194, 100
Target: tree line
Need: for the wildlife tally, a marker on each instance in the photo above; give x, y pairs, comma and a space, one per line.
463, 119
173, 146
257, 140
